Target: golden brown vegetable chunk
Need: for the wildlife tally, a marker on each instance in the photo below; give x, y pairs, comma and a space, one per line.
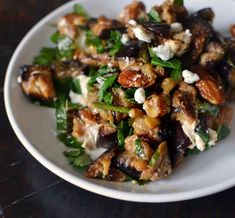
156, 106
209, 87
37, 82
142, 149
159, 165
68, 24
133, 11
101, 168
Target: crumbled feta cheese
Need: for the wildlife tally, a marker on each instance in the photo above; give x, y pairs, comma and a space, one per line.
201, 145
139, 96
19, 79
125, 38
213, 137
187, 36
110, 65
142, 34
190, 77
176, 27
132, 22
163, 51
80, 98
64, 44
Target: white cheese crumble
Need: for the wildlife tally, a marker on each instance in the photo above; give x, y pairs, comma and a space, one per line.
19, 79
163, 51
176, 27
125, 38
139, 96
91, 136
94, 154
190, 77
80, 98
142, 35
132, 22
187, 36
64, 44
213, 137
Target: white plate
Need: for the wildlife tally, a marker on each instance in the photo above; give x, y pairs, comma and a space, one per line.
209, 172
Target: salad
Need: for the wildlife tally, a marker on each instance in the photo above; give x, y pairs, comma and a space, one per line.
135, 95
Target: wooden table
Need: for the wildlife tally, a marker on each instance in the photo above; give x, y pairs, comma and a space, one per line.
27, 189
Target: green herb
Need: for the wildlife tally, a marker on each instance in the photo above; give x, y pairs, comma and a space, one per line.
204, 106
78, 158
153, 15
69, 140
94, 74
173, 63
112, 108
46, 56
79, 9
46, 103
204, 135
130, 93
63, 85
61, 113
108, 98
64, 55
124, 129
93, 40
55, 37
175, 74
77, 86
223, 131
107, 84
193, 151
138, 148
154, 158
114, 42
178, 2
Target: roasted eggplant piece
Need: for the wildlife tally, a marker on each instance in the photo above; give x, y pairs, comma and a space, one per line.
205, 14
134, 11
101, 168
158, 29
230, 45
68, 24
178, 142
202, 32
37, 83
103, 27
159, 166
130, 50
68, 69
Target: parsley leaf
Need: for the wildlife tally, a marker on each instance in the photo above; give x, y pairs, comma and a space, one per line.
77, 158
93, 40
77, 86
124, 129
204, 106
154, 158
223, 131
46, 56
153, 15
69, 140
204, 135
61, 113
107, 84
138, 148
79, 9
108, 98
114, 42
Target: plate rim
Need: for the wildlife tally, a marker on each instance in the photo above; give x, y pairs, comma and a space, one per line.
90, 186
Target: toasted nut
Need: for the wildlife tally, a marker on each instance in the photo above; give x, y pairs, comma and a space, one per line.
156, 106
183, 86
232, 30
132, 78
167, 85
209, 87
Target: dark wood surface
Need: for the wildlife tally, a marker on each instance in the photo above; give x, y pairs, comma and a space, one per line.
27, 189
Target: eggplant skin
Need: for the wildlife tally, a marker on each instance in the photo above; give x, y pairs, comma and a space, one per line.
101, 167
178, 143
37, 82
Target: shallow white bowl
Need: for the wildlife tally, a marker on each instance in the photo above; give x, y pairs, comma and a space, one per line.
209, 172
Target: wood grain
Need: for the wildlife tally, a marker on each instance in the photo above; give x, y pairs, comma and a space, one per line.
27, 189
